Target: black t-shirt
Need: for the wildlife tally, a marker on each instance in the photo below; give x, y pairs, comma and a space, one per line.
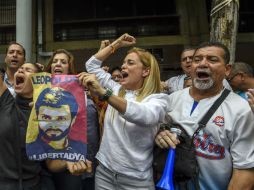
9, 125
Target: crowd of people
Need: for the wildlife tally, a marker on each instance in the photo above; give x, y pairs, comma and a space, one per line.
125, 107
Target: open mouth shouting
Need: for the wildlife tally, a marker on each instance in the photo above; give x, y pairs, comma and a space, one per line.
124, 74
19, 82
203, 75
57, 71
14, 62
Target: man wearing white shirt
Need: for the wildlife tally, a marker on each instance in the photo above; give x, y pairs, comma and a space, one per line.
177, 83
224, 147
15, 57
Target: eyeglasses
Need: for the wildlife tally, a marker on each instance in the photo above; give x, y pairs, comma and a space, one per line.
232, 77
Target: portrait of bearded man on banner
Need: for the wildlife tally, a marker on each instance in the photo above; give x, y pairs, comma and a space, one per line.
56, 110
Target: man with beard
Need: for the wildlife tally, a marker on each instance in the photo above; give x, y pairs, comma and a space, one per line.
224, 147
56, 110
178, 82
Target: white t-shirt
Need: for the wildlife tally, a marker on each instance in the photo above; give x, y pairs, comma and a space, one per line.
225, 143
176, 83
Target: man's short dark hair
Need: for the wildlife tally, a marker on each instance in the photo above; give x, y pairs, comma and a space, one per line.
15, 43
226, 56
242, 67
114, 69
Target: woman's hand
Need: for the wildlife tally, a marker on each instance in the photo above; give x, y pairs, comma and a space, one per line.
123, 41
78, 168
90, 82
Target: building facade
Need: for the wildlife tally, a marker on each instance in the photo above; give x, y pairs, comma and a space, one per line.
162, 27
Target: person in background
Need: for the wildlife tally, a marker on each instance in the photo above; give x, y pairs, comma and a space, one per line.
135, 108
62, 62
187, 82
177, 82
116, 74
241, 78
14, 58
225, 144
242, 81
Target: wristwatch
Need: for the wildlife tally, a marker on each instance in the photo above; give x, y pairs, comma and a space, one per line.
106, 96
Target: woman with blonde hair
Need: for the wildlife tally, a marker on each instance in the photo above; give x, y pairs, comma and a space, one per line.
130, 125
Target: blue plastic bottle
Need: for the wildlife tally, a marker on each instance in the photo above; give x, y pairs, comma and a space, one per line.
166, 181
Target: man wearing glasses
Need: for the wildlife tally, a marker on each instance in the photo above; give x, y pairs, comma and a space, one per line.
242, 81
241, 78
177, 83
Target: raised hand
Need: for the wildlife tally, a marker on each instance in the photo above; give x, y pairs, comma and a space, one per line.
124, 41
104, 43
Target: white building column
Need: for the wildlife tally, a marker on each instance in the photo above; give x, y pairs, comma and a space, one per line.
24, 26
